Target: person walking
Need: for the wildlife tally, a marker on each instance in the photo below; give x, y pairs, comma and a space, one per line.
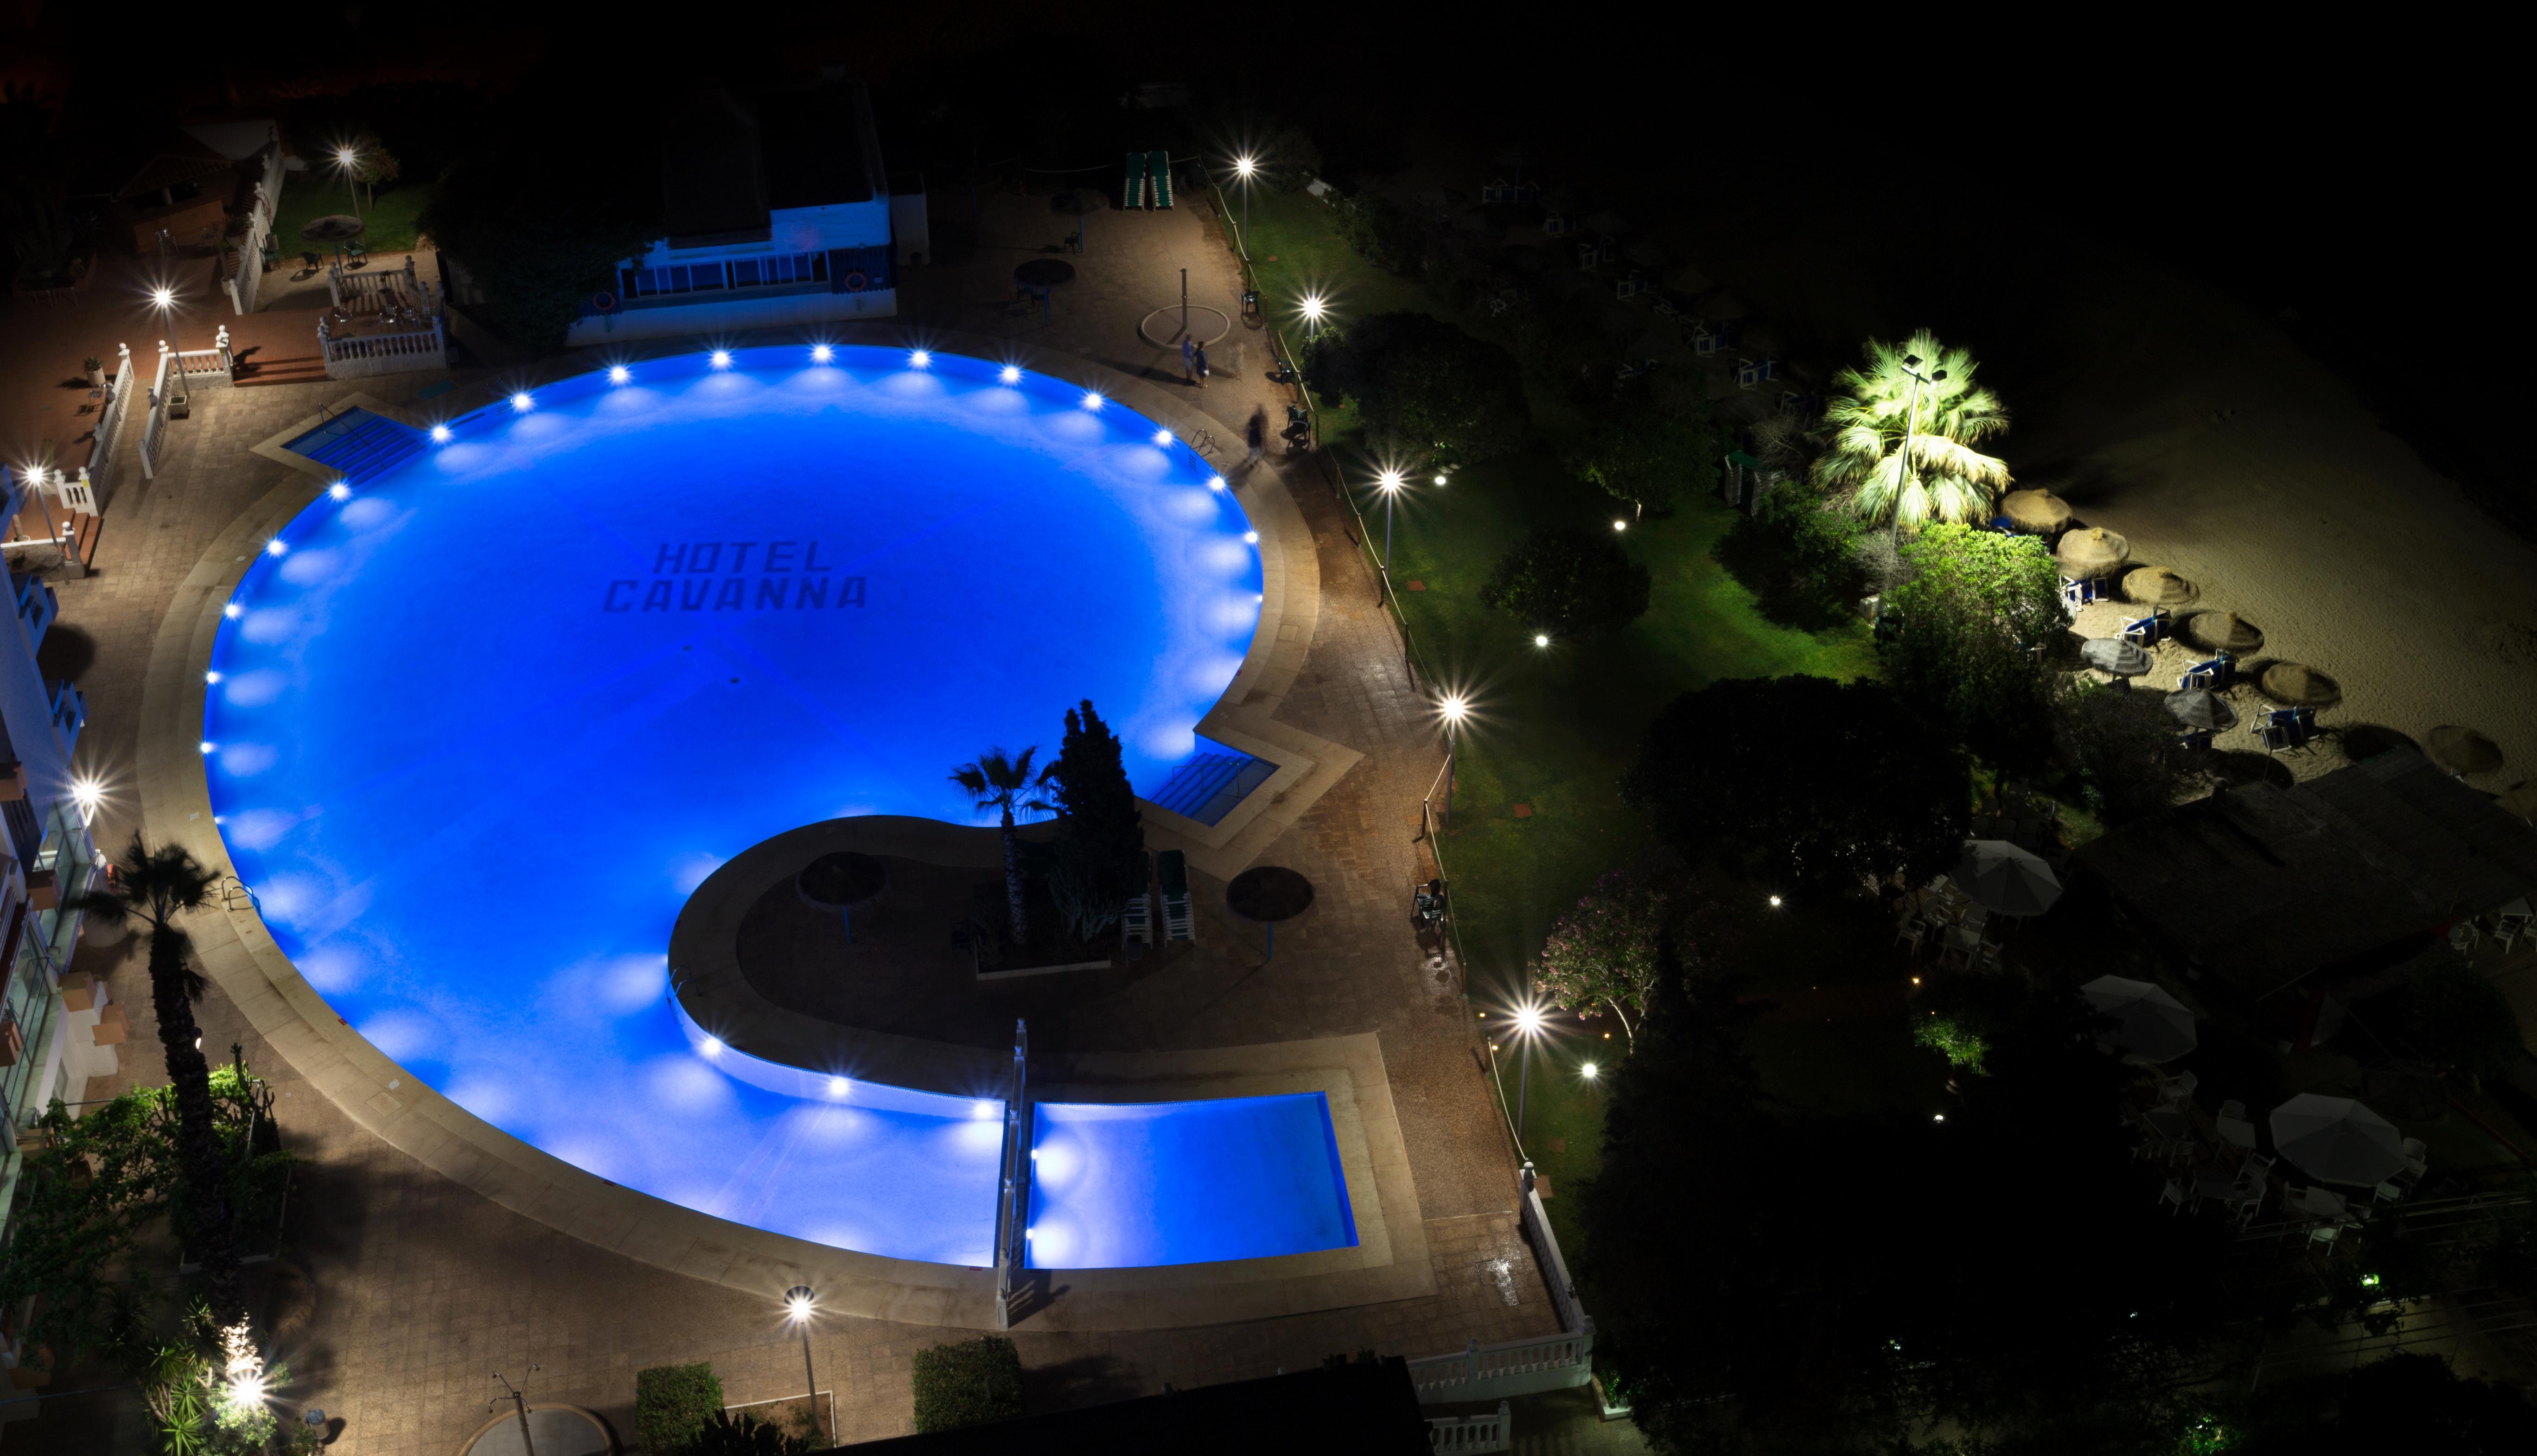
1256, 434
1200, 361
1189, 359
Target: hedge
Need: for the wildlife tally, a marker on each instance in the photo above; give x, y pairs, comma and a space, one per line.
672, 1404
965, 1383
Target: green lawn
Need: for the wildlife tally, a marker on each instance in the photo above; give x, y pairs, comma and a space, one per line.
1563, 1114
322, 193
1297, 230
1554, 729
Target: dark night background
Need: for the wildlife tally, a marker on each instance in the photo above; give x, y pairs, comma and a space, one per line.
2351, 186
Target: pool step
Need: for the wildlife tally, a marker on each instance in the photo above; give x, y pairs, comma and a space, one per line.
359, 444
1208, 786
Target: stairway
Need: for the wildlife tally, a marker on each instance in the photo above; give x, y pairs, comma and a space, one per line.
304, 369
1207, 786
359, 444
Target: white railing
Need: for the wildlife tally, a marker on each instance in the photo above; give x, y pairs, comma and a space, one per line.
208, 365
96, 483
1480, 1372
249, 277
384, 354
394, 285
1490, 1431
1561, 1361
154, 425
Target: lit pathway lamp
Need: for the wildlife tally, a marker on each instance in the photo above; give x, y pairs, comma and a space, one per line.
1527, 1025
351, 162
1390, 484
1243, 166
1452, 708
799, 1303
1313, 309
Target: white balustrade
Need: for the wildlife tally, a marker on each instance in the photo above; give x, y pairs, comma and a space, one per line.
1488, 1432
154, 425
1479, 1372
384, 354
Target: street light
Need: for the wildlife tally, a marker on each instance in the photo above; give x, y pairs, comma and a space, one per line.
1527, 1025
799, 1303
348, 159
1902, 458
1243, 167
1452, 708
1314, 308
1389, 483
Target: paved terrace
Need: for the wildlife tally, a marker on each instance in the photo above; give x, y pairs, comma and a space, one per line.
422, 1286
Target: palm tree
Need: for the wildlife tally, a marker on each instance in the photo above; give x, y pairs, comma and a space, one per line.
155, 886
997, 780
1903, 434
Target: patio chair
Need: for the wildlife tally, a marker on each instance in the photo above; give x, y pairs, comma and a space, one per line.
313, 261
2178, 1089
1179, 924
2511, 922
1137, 920
2325, 1234
2387, 1192
2465, 935
1910, 935
2244, 1201
2176, 1194
2417, 1160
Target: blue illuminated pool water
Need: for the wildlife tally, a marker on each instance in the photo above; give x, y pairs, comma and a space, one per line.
480, 725
1120, 1183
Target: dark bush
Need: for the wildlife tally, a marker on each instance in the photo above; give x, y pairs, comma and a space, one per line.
2457, 1021
1798, 556
1569, 584
2122, 748
1423, 388
673, 1404
1803, 780
1648, 459
967, 1383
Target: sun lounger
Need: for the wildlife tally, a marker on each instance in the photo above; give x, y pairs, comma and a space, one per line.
1158, 175
1173, 870
1131, 189
1137, 920
2149, 629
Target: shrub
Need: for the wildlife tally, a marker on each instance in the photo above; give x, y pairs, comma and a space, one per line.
1424, 387
1605, 949
1650, 459
1101, 837
673, 1404
1569, 582
1951, 1038
967, 1383
2123, 747
722, 1435
1802, 778
1976, 616
1798, 555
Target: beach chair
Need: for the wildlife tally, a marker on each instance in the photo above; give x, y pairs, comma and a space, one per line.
2195, 740
1132, 187
1179, 924
2148, 630
1159, 172
1137, 920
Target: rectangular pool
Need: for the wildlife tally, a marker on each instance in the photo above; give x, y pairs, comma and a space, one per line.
1118, 1186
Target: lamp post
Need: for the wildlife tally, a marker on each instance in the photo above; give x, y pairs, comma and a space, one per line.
798, 1304
1243, 166
1313, 309
1390, 484
350, 159
1453, 709
1527, 1025
1911, 412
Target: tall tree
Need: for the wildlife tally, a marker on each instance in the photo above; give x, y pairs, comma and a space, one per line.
1903, 438
1004, 781
155, 886
1424, 389
1101, 834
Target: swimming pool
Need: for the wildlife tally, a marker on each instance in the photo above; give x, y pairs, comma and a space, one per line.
1121, 1184
478, 722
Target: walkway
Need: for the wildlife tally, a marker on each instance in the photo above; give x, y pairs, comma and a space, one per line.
422, 1287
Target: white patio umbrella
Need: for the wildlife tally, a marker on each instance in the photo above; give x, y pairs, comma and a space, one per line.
2004, 879
2156, 1027
2336, 1140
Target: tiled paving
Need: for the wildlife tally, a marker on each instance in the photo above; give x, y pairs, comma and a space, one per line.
424, 1287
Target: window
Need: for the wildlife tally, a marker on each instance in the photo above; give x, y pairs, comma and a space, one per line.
740, 273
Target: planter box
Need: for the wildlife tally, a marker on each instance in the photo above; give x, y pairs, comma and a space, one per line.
12, 1042
112, 1028
80, 991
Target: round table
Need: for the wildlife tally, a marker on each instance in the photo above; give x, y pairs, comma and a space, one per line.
1040, 276
336, 227
1267, 893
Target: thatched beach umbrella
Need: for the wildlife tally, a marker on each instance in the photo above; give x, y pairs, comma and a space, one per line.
2156, 585
2201, 708
2299, 685
2038, 511
2223, 631
2521, 798
2120, 656
2462, 750
2092, 552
